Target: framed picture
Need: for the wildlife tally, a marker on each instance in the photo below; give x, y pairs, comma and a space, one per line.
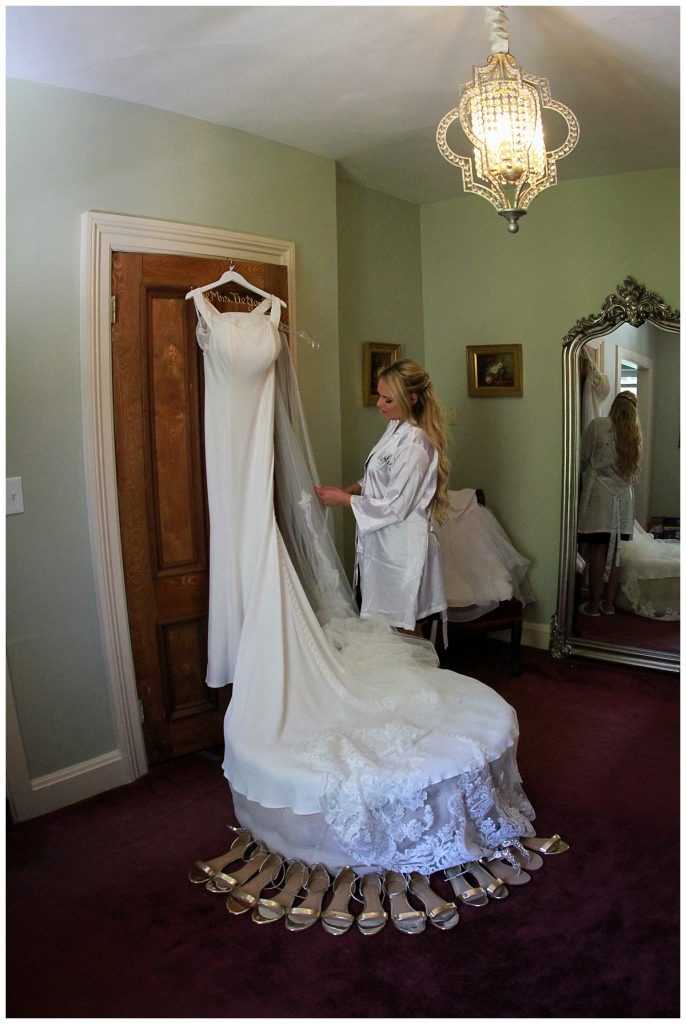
377, 356
494, 371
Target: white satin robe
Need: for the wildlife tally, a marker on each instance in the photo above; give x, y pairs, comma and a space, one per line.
396, 549
607, 500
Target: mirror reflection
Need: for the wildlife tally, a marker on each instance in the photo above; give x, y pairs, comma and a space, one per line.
619, 587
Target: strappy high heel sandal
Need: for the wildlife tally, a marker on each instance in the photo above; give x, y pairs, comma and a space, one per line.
307, 913
222, 882
404, 917
555, 844
441, 914
336, 918
373, 918
267, 911
471, 896
245, 897
203, 870
491, 884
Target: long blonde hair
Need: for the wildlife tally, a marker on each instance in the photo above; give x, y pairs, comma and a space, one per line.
627, 429
404, 379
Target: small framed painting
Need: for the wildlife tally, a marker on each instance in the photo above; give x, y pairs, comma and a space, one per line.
377, 356
494, 371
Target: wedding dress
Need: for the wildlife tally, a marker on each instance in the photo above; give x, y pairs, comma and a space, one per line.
344, 741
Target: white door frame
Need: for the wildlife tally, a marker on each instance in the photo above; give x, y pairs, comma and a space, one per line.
103, 234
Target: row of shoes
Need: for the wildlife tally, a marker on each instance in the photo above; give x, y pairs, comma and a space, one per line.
260, 871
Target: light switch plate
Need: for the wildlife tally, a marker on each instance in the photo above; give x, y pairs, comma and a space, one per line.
15, 496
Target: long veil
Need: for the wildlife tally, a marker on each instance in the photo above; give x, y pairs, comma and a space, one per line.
303, 522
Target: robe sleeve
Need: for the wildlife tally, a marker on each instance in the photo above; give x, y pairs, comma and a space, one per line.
407, 481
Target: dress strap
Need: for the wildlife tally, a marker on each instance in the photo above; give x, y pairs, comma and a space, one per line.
275, 315
200, 302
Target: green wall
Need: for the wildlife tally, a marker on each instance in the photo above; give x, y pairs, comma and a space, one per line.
68, 152
380, 299
485, 286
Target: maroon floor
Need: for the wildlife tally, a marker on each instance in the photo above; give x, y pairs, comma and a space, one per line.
626, 629
102, 922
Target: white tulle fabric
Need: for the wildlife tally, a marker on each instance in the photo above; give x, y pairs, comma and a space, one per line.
650, 577
342, 738
481, 568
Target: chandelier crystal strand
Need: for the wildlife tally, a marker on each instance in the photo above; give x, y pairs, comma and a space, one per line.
501, 114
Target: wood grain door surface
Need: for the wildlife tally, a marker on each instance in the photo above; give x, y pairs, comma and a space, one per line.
157, 374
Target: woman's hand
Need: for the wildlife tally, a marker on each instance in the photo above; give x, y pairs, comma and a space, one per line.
331, 497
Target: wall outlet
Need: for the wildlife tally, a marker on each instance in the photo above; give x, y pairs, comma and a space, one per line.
15, 496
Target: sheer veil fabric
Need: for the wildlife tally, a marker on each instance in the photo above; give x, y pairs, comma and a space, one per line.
345, 742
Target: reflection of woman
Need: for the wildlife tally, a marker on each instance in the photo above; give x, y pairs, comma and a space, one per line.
610, 456
405, 487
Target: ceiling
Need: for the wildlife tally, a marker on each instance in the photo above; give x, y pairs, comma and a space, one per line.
367, 86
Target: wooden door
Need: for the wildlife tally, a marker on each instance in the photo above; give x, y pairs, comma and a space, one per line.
157, 376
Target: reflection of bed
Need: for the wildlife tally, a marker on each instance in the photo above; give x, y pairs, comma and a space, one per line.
650, 576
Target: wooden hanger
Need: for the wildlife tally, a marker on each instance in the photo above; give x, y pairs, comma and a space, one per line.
232, 276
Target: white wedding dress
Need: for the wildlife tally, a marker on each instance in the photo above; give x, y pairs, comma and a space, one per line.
345, 744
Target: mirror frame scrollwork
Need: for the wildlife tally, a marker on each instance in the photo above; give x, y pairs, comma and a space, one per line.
632, 304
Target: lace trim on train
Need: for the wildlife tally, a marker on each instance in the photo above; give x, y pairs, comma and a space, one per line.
383, 813
631, 588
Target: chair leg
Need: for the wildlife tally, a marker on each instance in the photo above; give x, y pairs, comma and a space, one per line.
515, 644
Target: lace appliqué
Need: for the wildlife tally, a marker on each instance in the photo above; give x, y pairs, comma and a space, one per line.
383, 812
631, 587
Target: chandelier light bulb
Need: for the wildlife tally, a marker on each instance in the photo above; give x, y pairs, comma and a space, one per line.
500, 111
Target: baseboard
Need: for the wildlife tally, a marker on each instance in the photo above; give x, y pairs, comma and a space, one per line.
77, 782
534, 634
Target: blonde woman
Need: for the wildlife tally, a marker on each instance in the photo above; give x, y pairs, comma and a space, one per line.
610, 459
403, 491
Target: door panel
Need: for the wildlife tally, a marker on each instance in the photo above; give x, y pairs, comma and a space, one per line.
158, 398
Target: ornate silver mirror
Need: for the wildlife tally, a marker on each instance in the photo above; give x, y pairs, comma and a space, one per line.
633, 343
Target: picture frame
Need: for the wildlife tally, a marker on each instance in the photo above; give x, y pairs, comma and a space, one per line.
494, 371
377, 356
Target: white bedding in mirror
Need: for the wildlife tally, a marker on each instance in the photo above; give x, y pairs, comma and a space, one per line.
650, 577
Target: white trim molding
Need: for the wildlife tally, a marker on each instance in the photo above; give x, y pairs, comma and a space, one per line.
103, 234
78, 782
536, 634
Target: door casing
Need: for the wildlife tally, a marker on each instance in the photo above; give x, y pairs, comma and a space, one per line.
103, 234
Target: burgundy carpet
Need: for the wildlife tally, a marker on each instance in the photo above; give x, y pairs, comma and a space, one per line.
626, 629
103, 923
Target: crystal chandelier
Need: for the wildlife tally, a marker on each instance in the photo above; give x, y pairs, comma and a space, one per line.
500, 113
